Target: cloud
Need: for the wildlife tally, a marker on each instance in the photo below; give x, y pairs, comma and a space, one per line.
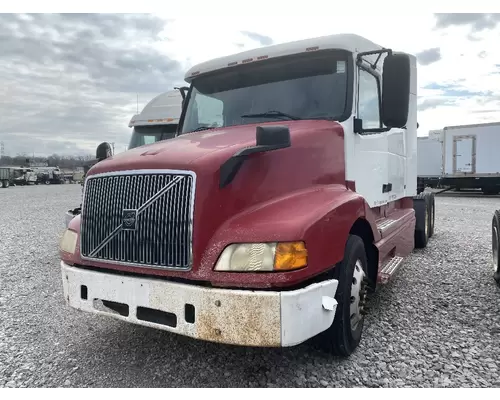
69, 81
262, 39
429, 56
477, 22
430, 104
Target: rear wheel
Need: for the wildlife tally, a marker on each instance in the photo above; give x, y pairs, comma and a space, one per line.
344, 335
5, 184
495, 245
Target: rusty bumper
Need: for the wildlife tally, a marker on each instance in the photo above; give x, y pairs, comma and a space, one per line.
240, 317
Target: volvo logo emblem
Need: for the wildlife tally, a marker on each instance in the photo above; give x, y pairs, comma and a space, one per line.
129, 220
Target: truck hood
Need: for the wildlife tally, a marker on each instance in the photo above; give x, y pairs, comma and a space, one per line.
182, 152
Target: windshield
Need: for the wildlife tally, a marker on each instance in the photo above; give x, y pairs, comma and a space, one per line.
302, 86
142, 135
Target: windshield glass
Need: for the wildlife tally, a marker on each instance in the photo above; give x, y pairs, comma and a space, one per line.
142, 135
302, 86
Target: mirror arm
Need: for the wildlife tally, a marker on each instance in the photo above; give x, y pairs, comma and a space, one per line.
359, 58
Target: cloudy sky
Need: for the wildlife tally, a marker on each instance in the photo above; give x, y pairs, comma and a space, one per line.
69, 81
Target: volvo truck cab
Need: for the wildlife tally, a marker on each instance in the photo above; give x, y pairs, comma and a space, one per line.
288, 195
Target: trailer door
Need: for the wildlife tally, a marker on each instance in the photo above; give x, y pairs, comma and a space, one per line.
464, 154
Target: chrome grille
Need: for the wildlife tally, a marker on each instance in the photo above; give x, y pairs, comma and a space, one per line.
139, 218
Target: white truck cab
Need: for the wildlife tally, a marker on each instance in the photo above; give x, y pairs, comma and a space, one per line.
157, 121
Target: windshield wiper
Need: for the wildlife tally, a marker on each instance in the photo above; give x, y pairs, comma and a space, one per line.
202, 128
271, 114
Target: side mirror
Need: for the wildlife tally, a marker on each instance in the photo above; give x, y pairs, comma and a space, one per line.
103, 151
396, 77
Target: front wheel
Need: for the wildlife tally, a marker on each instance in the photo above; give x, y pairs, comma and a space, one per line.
344, 335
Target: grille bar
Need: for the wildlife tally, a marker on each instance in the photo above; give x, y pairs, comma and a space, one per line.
139, 218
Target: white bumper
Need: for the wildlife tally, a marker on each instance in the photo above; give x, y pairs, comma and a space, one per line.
241, 317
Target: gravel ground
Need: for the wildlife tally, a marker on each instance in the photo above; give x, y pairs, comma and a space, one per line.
436, 324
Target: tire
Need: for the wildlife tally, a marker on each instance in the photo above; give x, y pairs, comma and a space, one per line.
432, 213
344, 335
495, 245
422, 235
5, 184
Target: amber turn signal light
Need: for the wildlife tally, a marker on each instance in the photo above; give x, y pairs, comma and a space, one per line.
290, 256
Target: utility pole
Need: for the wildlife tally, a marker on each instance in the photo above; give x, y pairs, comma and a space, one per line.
2, 150
113, 146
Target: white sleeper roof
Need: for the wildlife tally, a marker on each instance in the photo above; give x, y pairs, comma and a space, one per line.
164, 109
350, 42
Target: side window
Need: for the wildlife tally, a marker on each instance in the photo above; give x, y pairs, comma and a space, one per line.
149, 139
368, 100
209, 110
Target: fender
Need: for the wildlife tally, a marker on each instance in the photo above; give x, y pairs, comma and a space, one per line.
322, 216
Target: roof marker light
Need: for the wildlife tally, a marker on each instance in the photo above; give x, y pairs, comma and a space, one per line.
247, 60
312, 48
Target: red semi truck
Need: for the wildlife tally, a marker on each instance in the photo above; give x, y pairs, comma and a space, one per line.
288, 194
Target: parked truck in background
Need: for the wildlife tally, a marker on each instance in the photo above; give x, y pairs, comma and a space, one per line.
289, 193
157, 121
16, 176
430, 159
470, 159
6, 176
49, 175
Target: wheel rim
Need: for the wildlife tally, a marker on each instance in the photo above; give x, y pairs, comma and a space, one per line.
494, 244
357, 295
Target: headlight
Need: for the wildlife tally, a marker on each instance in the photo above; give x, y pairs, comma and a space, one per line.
263, 257
68, 241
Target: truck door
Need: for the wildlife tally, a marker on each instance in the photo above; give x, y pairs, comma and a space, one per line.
464, 149
371, 152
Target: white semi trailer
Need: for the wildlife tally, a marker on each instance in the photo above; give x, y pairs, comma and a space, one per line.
470, 157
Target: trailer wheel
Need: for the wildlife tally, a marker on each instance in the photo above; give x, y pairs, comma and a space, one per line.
5, 184
495, 245
344, 335
423, 221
